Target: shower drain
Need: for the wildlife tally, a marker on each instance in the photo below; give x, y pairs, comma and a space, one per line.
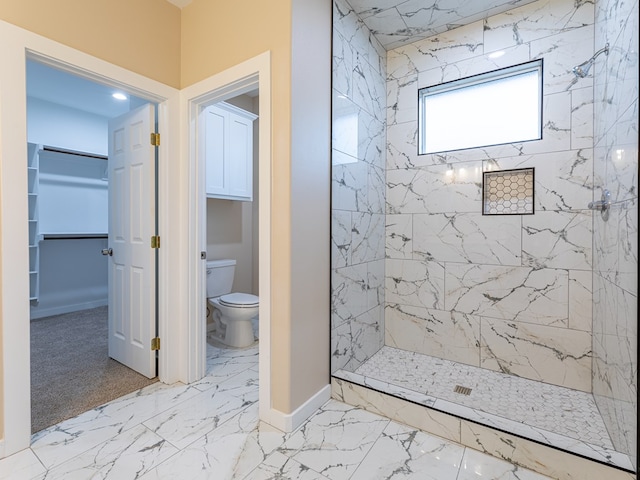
462, 390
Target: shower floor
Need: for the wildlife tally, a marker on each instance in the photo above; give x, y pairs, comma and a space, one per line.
557, 416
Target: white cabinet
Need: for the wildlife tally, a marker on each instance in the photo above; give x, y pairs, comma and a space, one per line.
228, 150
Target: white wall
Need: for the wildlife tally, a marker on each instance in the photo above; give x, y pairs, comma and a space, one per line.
67, 128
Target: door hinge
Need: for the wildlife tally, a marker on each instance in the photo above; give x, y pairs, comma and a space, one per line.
155, 343
155, 241
155, 139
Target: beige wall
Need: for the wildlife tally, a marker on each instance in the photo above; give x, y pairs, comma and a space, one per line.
230, 235
142, 35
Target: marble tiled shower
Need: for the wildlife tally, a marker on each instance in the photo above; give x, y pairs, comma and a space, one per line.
427, 290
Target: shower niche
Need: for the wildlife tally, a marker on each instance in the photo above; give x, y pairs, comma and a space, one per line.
463, 303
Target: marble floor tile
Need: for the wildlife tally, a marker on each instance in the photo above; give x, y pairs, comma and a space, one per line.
127, 455
406, 453
23, 465
231, 451
477, 466
213, 432
280, 467
195, 417
334, 440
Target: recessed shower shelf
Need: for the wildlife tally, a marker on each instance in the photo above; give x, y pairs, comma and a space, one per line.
508, 192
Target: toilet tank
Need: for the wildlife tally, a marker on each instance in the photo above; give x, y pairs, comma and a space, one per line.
220, 277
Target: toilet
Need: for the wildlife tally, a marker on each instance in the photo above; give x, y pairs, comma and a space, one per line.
232, 312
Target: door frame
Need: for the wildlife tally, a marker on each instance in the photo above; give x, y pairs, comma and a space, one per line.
16, 44
242, 78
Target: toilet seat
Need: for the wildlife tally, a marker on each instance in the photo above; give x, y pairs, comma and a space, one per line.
239, 300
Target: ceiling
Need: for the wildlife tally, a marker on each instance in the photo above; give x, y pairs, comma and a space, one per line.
57, 86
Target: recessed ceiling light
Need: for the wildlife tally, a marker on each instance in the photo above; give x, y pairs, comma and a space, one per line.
119, 96
497, 54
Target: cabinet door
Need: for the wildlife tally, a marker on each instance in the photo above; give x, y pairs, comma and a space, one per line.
240, 160
216, 122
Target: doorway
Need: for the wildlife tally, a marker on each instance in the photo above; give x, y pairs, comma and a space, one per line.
68, 120
253, 75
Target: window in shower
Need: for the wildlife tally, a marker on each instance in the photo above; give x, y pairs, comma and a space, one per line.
493, 108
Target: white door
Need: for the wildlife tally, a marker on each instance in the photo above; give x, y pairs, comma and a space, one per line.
132, 223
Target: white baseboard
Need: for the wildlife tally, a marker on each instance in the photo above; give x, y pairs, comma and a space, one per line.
59, 310
288, 422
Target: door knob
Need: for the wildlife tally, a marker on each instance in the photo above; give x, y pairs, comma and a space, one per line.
107, 251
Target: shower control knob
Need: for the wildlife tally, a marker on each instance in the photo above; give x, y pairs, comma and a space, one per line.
107, 251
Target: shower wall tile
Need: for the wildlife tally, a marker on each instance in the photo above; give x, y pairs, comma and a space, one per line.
357, 133
562, 358
402, 100
402, 145
557, 240
353, 342
342, 64
580, 300
445, 48
517, 294
399, 236
566, 186
560, 53
468, 238
367, 237
350, 293
369, 89
556, 125
340, 238
375, 193
437, 189
449, 335
582, 118
479, 63
358, 186
356, 34
376, 281
414, 282
348, 186
341, 351
535, 21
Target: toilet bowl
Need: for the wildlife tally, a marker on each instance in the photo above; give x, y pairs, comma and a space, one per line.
232, 315
232, 312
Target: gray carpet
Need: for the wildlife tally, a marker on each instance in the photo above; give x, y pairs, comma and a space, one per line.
71, 371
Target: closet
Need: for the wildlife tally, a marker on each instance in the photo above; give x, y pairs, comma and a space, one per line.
68, 215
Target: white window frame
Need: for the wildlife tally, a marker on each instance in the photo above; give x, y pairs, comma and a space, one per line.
461, 84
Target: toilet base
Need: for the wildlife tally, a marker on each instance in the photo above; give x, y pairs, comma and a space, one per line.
237, 334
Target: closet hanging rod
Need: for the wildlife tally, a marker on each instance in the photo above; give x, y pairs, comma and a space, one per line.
73, 236
47, 148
